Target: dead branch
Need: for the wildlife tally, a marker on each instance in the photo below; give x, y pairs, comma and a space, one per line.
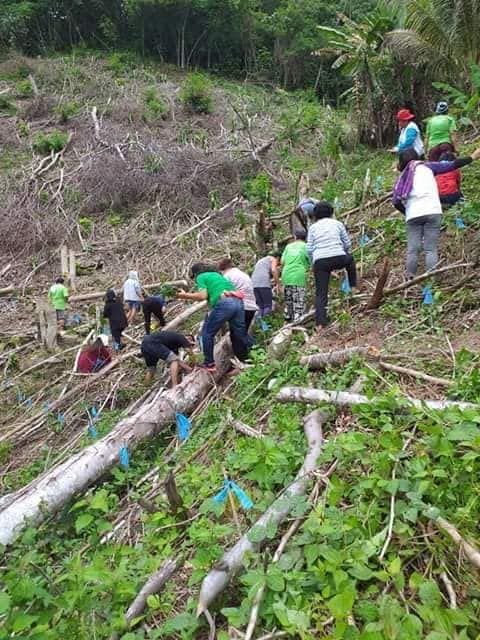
472, 553
426, 275
413, 373
339, 357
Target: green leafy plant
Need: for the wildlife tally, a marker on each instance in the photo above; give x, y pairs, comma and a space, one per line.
23, 89
152, 164
196, 93
156, 106
45, 143
66, 111
464, 103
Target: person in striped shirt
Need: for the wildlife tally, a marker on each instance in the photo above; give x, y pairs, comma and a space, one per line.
328, 247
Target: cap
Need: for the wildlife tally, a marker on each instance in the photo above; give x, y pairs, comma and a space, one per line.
442, 107
405, 114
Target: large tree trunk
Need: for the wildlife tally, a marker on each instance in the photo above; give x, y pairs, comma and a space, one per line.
47, 493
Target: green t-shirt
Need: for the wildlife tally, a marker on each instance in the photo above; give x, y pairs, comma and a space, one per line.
439, 129
58, 296
215, 284
295, 264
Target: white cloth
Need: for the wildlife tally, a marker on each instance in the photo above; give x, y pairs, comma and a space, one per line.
327, 238
243, 283
423, 199
132, 290
418, 142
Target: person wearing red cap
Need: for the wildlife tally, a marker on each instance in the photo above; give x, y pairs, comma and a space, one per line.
410, 137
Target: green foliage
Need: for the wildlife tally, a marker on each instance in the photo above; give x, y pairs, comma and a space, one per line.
66, 111
6, 106
196, 93
85, 223
45, 143
152, 164
465, 104
120, 63
156, 106
259, 190
23, 89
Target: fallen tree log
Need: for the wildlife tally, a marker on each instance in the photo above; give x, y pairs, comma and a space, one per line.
338, 356
85, 297
472, 553
344, 399
218, 578
43, 496
280, 343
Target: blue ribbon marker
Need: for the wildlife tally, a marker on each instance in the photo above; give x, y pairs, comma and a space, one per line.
364, 240
93, 412
46, 407
29, 402
124, 457
459, 223
92, 430
184, 425
427, 295
378, 185
20, 396
230, 485
345, 287
60, 418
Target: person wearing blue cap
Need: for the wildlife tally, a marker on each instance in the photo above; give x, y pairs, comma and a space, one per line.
441, 133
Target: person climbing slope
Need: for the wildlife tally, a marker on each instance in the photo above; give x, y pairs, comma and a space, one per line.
153, 305
226, 305
449, 184
266, 270
95, 356
132, 295
328, 247
295, 264
416, 195
115, 313
441, 133
165, 345
410, 137
58, 297
243, 283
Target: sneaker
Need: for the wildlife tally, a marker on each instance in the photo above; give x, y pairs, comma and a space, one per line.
211, 368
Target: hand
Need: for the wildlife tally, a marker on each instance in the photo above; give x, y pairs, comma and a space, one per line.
476, 154
181, 294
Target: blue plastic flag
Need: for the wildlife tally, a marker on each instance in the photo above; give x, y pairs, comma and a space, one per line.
345, 287
46, 406
93, 412
60, 418
459, 223
427, 295
364, 240
378, 185
77, 318
92, 430
29, 402
124, 457
184, 425
264, 326
20, 396
229, 485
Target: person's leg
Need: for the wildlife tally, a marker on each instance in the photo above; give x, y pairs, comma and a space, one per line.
414, 244
249, 316
259, 300
241, 341
60, 319
212, 325
350, 266
298, 303
288, 292
117, 338
430, 238
151, 360
321, 269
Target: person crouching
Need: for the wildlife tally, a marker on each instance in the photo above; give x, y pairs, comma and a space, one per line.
165, 345
95, 356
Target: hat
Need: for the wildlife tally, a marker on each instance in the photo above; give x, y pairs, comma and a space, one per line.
442, 107
103, 339
405, 114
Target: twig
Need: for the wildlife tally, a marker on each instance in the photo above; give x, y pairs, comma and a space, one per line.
452, 596
470, 551
444, 382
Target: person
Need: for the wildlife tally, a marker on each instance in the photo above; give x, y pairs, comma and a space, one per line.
243, 283
165, 345
115, 312
441, 132
58, 297
94, 356
132, 295
410, 136
226, 305
416, 195
295, 264
153, 305
265, 270
307, 205
328, 247
449, 184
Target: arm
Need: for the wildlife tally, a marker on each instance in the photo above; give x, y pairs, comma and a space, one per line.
399, 206
310, 245
445, 167
458, 178
197, 296
275, 273
344, 237
410, 136
160, 317
147, 314
106, 311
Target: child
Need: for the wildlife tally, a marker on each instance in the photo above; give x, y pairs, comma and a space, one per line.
226, 305
132, 295
265, 270
164, 345
117, 319
58, 297
295, 264
449, 183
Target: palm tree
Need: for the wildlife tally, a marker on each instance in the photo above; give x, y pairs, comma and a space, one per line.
442, 34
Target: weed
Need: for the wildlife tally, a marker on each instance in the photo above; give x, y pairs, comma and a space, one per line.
66, 111
156, 106
152, 164
23, 89
114, 220
6, 106
196, 93
85, 223
45, 143
120, 63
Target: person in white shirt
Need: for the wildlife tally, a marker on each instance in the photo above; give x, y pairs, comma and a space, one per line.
132, 295
410, 137
243, 283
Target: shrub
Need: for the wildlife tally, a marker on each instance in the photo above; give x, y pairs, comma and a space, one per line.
6, 107
23, 89
45, 143
153, 164
156, 107
120, 63
197, 93
66, 110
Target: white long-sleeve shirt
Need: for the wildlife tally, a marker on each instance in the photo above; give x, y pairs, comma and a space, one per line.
327, 238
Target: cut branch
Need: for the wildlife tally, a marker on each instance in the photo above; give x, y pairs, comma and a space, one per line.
340, 356
472, 553
377, 296
413, 373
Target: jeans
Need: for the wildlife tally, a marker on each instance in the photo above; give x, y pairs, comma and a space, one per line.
226, 310
426, 230
264, 300
322, 269
249, 316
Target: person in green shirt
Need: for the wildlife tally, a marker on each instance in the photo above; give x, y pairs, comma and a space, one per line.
58, 297
226, 305
295, 264
441, 133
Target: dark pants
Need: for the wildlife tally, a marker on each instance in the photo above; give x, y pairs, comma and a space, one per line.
264, 299
322, 269
226, 310
451, 199
249, 316
152, 356
117, 335
435, 152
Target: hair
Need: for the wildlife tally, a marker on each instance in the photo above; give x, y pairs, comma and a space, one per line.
276, 254
300, 234
224, 264
201, 267
60, 280
447, 156
322, 209
407, 156
110, 296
